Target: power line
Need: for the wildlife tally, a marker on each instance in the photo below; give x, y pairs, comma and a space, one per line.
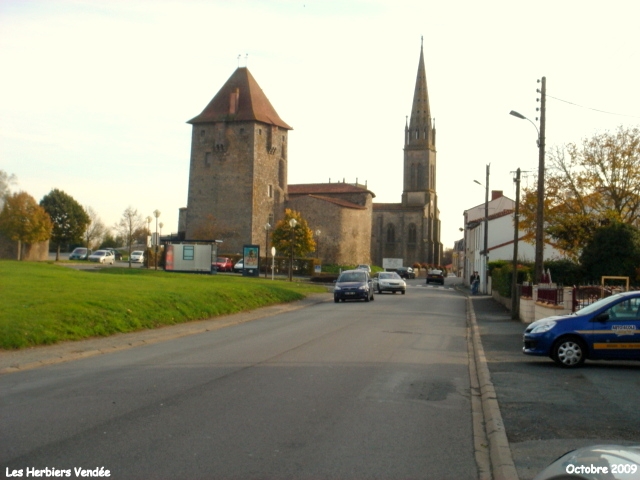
590, 108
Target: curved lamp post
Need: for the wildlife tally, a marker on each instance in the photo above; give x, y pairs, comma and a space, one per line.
486, 232
292, 223
267, 227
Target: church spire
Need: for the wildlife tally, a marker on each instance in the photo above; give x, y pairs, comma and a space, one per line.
419, 132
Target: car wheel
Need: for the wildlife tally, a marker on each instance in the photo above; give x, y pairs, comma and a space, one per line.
336, 300
403, 292
372, 297
379, 291
367, 298
569, 352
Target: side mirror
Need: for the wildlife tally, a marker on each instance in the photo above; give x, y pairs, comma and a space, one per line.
602, 318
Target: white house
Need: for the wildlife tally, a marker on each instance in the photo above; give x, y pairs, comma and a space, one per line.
500, 238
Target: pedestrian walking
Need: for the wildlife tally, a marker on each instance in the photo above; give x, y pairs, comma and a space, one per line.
475, 282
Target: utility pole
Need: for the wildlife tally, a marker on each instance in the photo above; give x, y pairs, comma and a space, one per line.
516, 233
539, 257
485, 273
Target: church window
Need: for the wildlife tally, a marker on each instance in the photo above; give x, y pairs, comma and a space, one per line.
411, 234
259, 131
391, 233
270, 190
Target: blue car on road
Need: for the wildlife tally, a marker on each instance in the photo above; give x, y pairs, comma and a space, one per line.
608, 329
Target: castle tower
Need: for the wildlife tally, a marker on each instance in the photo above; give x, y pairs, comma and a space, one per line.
238, 166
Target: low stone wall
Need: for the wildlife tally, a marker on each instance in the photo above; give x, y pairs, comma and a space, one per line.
532, 310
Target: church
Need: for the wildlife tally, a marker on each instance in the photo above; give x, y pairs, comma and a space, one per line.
238, 188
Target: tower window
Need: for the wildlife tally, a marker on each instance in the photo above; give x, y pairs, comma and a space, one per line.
207, 159
270, 191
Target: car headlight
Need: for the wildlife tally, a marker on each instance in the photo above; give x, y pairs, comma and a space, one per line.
336, 288
543, 327
363, 287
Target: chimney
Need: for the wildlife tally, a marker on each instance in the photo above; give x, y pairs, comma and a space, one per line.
496, 194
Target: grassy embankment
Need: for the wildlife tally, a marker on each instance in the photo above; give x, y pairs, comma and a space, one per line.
44, 303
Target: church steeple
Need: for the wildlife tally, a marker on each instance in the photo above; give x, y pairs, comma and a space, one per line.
420, 131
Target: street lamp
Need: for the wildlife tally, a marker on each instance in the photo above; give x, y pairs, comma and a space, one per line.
540, 207
318, 232
156, 213
292, 223
267, 227
486, 232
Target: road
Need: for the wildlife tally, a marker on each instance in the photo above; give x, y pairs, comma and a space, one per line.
351, 390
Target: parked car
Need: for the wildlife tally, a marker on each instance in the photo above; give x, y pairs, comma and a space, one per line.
239, 266
608, 329
353, 285
116, 254
367, 268
137, 256
102, 256
388, 282
406, 272
435, 276
80, 253
224, 264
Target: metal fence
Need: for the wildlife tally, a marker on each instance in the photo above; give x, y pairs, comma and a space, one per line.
553, 295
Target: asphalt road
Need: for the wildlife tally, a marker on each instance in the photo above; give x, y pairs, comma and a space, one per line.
336, 391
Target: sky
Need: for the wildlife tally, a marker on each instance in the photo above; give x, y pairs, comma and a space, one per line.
95, 94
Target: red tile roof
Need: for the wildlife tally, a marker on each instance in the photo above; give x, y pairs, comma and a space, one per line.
240, 99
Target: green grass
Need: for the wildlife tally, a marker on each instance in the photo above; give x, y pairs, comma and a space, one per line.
44, 303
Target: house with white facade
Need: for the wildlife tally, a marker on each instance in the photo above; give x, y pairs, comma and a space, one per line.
500, 238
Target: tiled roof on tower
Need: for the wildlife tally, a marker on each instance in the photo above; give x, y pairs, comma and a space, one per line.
240, 99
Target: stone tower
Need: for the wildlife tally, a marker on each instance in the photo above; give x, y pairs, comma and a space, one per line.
410, 230
238, 166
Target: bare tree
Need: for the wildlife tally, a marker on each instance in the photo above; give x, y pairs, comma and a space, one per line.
96, 230
130, 222
6, 181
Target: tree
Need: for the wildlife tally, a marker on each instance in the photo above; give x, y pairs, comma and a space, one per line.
69, 218
24, 221
96, 231
587, 185
130, 223
613, 250
303, 242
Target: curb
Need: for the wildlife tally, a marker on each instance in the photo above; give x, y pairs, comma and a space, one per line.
499, 454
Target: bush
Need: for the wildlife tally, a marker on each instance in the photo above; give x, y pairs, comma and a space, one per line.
502, 275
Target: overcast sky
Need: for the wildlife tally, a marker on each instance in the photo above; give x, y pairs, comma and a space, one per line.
95, 95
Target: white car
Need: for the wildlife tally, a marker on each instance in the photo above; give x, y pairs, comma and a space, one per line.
389, 282
137, 256
102, 256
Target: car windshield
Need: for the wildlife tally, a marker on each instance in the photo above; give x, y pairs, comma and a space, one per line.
136, 253
389, 275
80, 250
352, 277
603, 302
435, 272
99, 253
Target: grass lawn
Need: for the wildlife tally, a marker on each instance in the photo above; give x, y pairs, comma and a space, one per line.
45, 303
